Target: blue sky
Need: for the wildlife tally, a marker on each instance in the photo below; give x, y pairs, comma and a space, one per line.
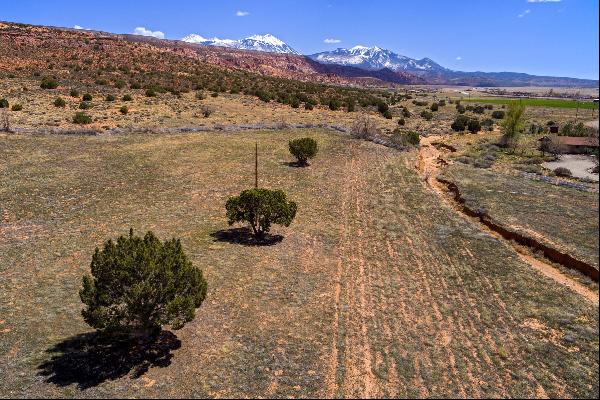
543, 37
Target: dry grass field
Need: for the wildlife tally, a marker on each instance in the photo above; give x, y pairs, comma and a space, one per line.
376, 289
564, 218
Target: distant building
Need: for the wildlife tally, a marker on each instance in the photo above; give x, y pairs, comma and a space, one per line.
568, 144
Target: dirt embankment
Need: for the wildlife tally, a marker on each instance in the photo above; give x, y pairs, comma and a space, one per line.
431, 160
552, 254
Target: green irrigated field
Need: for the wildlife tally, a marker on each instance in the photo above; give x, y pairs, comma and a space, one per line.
533, 102
377, 288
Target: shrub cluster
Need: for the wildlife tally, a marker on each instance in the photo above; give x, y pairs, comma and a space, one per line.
426, 115
49, 82
59, 102
563, 172
82, 118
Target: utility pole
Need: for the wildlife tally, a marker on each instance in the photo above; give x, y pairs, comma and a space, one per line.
256, 165
577, 112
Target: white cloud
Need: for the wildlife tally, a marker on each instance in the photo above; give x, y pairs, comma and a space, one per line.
543, 1
524, 13
242, 13
140, 30
329, 41
458, 58
81, 28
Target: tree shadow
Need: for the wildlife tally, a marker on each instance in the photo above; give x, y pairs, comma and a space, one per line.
295, 164
90, 359
244, 236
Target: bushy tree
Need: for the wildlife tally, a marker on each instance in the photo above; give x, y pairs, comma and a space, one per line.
303, 149
426, 115
498, 114
261, 208
579, 129
460, 123
405, 139
563, 172
124, 110
434, 106
512, 125
59, 102
127, 97
334, 104
488, 123
138, 284
350, 105
383, 107
4, 103
474, 125
478, 109
49, 82
412, 138
82, 119
87, 97
17, 107
74, 93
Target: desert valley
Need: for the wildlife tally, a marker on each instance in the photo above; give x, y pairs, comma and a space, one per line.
352, 223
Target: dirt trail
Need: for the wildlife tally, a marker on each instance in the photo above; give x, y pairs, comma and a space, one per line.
431, 160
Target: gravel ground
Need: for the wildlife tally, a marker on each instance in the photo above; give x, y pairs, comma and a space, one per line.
579, 165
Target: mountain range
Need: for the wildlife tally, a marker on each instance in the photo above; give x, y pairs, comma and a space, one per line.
392, 67
374, 58
269, 56
267, 43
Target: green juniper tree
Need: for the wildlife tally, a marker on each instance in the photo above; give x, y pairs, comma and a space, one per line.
139, 284
303, 149
261, 208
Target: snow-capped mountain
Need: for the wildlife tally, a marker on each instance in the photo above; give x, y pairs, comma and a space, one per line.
375, 58
268, 43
